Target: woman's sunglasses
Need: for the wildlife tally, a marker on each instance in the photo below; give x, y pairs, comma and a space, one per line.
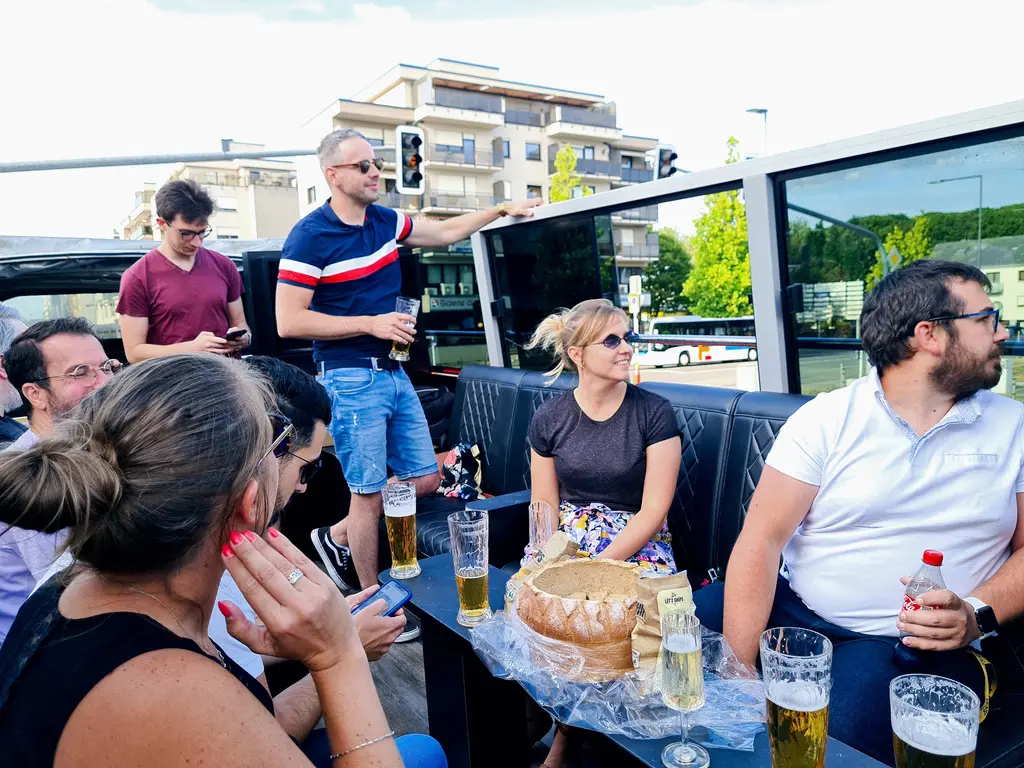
283, 431
613, 340
309, 469
363, 165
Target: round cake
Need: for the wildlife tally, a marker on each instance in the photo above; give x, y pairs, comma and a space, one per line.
590, 604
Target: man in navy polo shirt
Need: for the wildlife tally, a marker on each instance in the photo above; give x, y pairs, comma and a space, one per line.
338, 281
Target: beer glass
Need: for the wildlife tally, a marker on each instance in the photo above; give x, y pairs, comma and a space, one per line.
682, 685
469, 554
797, 667
934, 722
400, 518
400, 349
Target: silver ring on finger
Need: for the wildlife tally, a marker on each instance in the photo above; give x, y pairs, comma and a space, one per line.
294, 576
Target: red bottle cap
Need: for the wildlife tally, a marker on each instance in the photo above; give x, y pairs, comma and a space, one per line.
932, 557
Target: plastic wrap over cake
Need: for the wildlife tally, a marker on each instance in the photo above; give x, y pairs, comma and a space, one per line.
572, 654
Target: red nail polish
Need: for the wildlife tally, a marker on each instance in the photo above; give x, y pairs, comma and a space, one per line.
274, 533
250, 536
236, 538
227, 551
224, 609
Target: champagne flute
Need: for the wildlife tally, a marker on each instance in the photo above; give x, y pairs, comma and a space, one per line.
682, 685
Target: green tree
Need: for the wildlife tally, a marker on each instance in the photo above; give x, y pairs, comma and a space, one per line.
664, 278
565, 178
719, 283
913, 245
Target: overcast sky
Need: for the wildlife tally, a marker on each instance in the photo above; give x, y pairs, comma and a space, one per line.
120, 77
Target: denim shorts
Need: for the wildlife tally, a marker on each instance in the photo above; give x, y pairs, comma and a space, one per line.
377, 424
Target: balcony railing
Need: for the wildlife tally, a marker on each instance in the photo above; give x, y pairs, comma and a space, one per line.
644, 213
523, 117
481, 157
588, 166
996, 289
457, 202
480, 102
396, 200
637, 175
638, 251
581, 116
387, 154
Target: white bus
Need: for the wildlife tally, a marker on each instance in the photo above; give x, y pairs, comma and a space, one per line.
666, 355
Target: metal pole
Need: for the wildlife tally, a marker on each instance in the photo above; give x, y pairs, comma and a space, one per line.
980, 193
765, 115
111, 162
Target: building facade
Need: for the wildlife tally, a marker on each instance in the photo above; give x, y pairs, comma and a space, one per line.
489, 140
254, 198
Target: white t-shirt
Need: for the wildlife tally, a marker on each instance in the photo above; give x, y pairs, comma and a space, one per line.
886, 495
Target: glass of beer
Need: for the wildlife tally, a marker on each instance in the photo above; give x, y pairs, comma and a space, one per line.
934, 722
400, 518
400, 349
682, 685
469, 553
797, 666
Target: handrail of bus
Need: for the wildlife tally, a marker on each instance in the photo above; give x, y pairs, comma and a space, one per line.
448, 334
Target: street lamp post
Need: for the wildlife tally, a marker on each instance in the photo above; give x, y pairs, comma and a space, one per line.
981, 197
764, 114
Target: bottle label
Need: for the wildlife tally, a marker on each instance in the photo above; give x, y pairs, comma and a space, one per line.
910, 605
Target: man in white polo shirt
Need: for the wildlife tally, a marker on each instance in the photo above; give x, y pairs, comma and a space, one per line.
917, 455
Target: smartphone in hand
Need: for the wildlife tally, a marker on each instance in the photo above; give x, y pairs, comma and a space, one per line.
235, 334
394, 594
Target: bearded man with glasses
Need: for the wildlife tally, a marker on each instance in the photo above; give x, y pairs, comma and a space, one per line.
53, 365
182, 297
338, 282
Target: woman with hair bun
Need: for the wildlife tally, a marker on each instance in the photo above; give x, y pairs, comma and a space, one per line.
606, 454
165, 477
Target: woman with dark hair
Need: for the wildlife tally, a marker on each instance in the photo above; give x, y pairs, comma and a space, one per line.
165, 477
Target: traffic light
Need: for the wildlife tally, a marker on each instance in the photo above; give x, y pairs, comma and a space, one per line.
666, 157
408, 144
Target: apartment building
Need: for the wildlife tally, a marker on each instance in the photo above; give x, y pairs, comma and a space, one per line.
488, 139
255, 198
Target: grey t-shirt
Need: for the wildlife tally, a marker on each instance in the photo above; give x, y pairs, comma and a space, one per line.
602, 461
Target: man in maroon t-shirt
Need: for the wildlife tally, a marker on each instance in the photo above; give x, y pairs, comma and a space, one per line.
180, 297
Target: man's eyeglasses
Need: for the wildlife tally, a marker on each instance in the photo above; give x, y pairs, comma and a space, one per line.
993, 313
309, 469
86, 374
283, 431
613, 340
187, 235
363, 165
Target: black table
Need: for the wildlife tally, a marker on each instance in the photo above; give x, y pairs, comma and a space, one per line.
480, 720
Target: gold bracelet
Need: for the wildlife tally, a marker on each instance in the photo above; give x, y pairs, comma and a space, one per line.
350, 750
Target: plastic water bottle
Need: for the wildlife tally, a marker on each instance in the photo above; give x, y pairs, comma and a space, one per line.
927, 578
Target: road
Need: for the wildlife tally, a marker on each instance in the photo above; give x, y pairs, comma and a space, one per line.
820, 371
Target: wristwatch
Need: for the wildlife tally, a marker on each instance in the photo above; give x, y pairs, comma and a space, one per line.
501, 210
985, 617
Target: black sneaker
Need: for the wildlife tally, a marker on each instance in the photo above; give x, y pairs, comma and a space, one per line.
411, 631
336, 558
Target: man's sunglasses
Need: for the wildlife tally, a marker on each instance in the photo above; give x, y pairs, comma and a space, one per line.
283, 431
613, 340
309, 469
993, 313
363, 165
